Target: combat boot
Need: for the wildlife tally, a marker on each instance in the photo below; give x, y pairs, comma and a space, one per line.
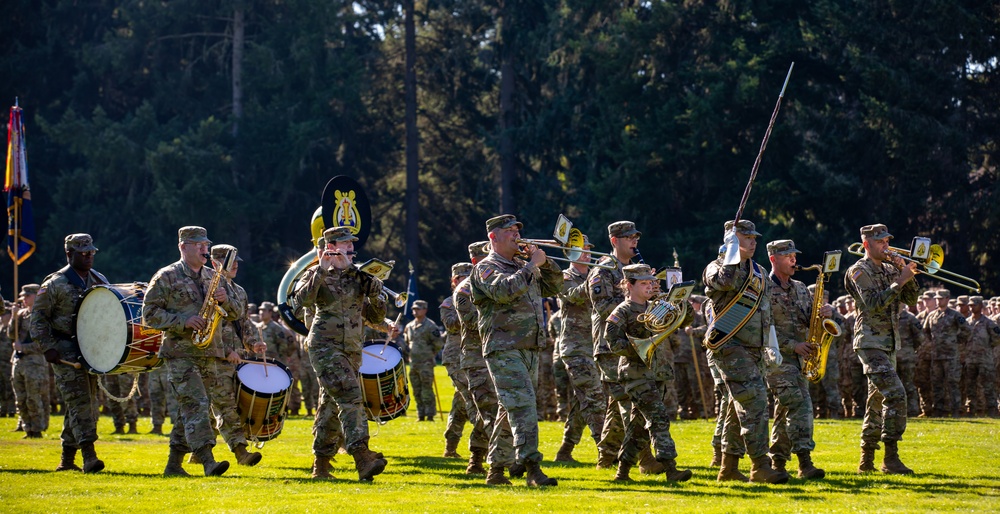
368, 464
535, 476
245, 458
31, 434
194, 459
476, 462
212, 468
119, 430
648, 465
321, 468
778, 464
565, 453
175, 465
891, 463
674, 474
806, 468
451, 449
66, 463
730, 470
132, 428
19, 427
621, 475
517, 470
157, 429
867, 464
762, 472
496, 476
606, 459
716, 457
91, 464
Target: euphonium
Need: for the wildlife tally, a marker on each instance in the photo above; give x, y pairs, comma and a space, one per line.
210, 309
821, 330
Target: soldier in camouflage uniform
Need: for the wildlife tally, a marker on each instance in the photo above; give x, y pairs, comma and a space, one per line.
605, 295
576, 347
29, 371
8, 405
791, 311
925, 353
648, 420
508, 294
52, 320
126, 411
423, 337
451, 356
545, 393
490, 422
946, 331
337, 292
911, 337
560, 378
308, 381
878, 283
738, 354
282, 346
161, 399
984, 338
686, 348
172, 304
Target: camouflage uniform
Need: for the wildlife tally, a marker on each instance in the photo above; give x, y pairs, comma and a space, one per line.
424, 340
826, 394
946, 331
576, 347
281, 345
508, 295
545, 400
451, 356
922, 369
8, 405
686, 348
308, 381
605, 295
560, 377
911, 337
29, 375
979, 367
122, 412
161, 397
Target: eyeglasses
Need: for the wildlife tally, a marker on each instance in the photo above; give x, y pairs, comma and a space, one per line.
89, 253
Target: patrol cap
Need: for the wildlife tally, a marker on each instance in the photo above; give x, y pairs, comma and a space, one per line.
638, 272
219, 252
420, 304
927, 294
27, 289
338, 234
266, 306
745, 227
781, 247
975, 300
963, 299
623, 229
192, 234
503, 221
586, 242
80, 243
942, 293
876, 231
479, 250
461, 269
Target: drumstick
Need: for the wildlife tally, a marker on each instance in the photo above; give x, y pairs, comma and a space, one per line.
68, 363
372, 355
396, 324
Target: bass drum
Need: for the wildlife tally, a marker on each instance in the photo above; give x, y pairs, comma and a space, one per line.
110, 332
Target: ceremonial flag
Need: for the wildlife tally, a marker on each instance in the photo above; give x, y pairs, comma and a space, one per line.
20, 222
411, 293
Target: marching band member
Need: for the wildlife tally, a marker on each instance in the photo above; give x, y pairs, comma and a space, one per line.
451, 355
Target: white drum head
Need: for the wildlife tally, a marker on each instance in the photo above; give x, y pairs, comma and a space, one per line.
373, 365
101, 329
251, 374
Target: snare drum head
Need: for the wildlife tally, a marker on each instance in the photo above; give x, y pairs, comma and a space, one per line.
252, 375
373, 365
102, 329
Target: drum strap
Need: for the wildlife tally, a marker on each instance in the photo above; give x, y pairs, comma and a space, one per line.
74, 277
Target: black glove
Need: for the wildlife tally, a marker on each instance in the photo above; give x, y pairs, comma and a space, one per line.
52, 356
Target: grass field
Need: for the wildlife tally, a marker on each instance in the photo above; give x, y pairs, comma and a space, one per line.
957, 465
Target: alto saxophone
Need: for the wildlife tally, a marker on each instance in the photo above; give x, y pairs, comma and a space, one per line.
821, 332
210, 309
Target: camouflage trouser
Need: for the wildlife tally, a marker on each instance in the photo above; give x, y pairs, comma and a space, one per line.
857, 387
161, 396
613, 432
422, 385
905, 371
670, 398
545, 392
458, 414
740, 368
826, 394
560, 377
310, 386
587, 399
222, 391
191, 378
294, 396
648, 419
480, 436
8, 404
688, 396
946, 374
338, 377
885, 414
925, 388
492, 416
142, 401
120, 386
515, 375
793, 418
980, 376
328, 433
79, 394
30, 381
724, 407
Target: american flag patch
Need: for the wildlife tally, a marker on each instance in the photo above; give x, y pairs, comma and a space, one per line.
613, 318
596, 279
41, 291
485, 274
465, 289
856, 274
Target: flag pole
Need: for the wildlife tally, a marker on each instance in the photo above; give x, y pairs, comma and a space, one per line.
17, 225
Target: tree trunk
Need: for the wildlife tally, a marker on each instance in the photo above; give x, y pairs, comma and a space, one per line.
508, 162
412, 140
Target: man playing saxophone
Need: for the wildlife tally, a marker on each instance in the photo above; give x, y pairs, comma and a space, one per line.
791, 307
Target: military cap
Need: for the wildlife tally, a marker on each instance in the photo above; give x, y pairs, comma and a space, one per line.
876, 231
927, 294
623, 229
80, 243
781, 247
338, 234
975, 300
963, 299
192, 234
461, 269
503, 221
479, 250
638, 272
266, 306
942, 293
420, 304
745, 227
219, 252
586, 242
27, 289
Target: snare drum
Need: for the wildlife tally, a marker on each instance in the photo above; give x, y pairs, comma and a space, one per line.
384, 391
261, 396
110, 332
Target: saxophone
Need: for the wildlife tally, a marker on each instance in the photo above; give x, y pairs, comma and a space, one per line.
210, 309
821, 330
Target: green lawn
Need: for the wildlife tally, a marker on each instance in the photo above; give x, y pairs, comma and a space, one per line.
957, 465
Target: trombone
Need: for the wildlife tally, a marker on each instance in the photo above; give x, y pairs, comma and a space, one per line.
929, 256
571, 250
